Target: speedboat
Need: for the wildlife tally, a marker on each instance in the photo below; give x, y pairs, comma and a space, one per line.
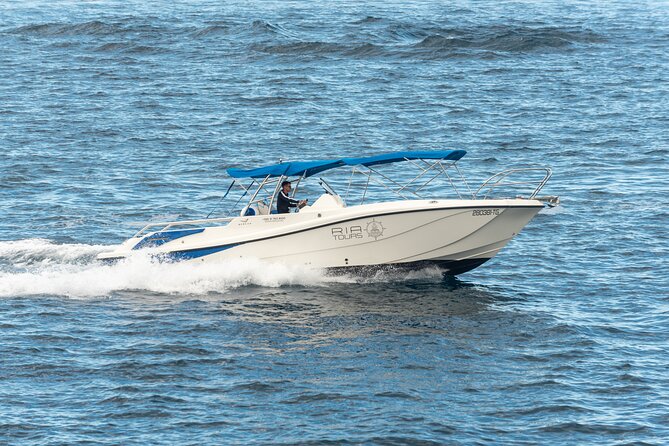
425, 214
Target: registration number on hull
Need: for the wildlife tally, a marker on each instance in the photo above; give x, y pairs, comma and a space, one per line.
485, 212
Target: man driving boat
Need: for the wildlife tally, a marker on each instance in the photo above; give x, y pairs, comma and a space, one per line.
284, 202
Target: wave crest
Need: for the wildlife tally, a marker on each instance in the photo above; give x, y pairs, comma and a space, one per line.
413, 42
506, 39
91, 28
96, 28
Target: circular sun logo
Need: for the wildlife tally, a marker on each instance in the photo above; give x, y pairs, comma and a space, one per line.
375, 229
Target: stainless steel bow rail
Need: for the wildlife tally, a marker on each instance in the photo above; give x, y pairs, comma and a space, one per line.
503, 180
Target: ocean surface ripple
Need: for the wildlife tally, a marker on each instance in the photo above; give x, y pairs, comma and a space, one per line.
114, 113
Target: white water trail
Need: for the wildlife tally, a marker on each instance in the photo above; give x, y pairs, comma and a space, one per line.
42, 267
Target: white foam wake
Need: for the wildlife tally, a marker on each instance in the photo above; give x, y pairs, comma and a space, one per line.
41, 267
28, 252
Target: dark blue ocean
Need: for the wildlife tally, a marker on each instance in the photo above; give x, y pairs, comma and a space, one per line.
114, 113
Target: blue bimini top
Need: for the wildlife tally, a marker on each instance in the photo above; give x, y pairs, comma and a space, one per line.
309, 168
290, 169
387, 158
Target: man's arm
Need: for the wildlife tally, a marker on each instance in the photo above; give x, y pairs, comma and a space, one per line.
291, 201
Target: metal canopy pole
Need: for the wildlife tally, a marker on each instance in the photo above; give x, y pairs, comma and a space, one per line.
276, 191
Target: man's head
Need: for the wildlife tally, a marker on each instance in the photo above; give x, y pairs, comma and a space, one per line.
286, 186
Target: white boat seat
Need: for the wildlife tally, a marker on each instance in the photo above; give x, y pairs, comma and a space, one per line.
257, 208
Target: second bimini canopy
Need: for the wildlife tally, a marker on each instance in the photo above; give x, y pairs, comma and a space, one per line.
309, 168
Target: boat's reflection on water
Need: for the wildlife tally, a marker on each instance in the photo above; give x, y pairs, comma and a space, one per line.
430, 294
394, 305
340, 308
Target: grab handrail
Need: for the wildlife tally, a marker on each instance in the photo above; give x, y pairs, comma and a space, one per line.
497, 180
171, 224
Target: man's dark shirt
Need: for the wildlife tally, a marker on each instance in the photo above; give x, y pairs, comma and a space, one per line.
284, 203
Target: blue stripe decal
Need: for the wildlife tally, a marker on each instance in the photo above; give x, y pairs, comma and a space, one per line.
160, 238
195, 253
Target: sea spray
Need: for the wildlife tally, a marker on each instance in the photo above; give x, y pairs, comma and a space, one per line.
42, 267
37, 267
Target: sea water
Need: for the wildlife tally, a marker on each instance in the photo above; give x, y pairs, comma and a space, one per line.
115, 113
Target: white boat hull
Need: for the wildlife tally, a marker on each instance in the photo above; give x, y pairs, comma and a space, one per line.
457, 235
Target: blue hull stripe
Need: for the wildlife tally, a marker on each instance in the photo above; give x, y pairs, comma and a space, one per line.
195, 253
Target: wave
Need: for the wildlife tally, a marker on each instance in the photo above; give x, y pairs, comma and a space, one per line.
264, 28
411, 42
146, 49
42, 267
128, 47
405, 32
369, 19
371, 37
322, 49
367, 50
300, 48
211, 30
138, 26
507, 39
42, 252
94, 28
